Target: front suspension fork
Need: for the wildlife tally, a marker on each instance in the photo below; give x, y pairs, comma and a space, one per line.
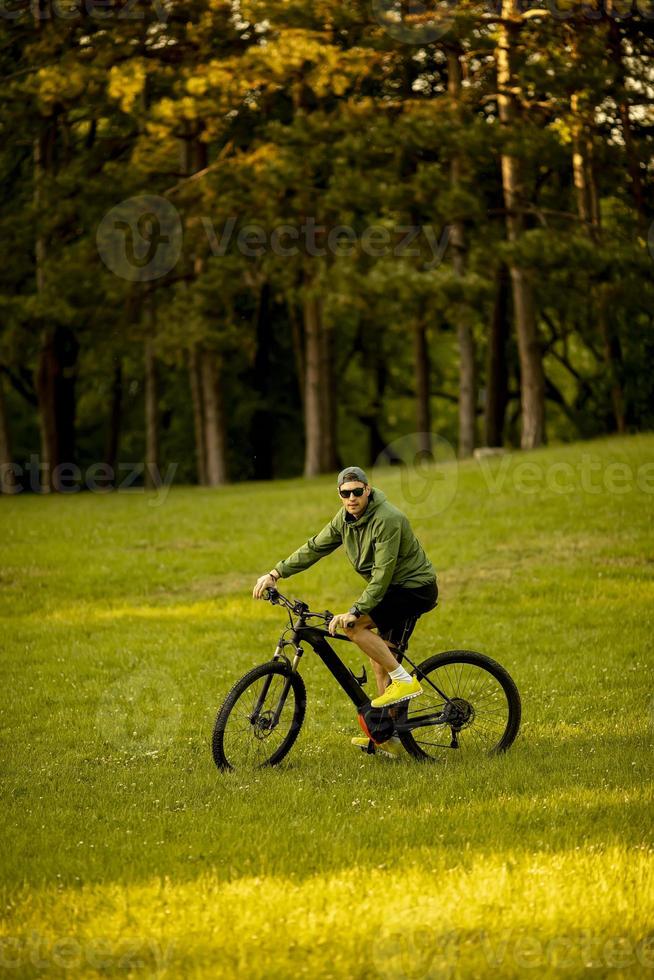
278, 655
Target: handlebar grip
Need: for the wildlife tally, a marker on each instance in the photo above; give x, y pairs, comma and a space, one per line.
328, 616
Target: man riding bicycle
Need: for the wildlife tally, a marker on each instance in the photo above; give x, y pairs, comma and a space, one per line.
401, 584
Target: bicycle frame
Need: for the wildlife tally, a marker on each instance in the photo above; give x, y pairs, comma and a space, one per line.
300, 631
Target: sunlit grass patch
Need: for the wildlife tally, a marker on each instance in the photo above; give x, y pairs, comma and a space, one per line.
485, 913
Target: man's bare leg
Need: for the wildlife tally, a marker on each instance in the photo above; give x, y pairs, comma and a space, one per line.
362, 635
372, 645
381, 676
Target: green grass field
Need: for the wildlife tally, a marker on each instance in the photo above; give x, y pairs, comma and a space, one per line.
126, 617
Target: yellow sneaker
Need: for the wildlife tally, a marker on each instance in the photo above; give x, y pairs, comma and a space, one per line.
397, 691
392, 747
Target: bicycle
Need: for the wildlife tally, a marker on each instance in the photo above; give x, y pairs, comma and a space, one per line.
469, 701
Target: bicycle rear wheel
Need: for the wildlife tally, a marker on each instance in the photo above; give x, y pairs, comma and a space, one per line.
483, 718
261, 718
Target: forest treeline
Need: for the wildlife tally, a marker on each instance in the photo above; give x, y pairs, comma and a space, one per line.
260, 238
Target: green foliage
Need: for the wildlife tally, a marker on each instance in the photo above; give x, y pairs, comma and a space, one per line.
298, 111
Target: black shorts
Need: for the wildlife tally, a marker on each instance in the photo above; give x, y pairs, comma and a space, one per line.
397, 614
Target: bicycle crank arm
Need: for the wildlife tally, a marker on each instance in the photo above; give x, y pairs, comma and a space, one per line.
421, 721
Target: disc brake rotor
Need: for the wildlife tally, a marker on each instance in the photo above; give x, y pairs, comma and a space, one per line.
264, 724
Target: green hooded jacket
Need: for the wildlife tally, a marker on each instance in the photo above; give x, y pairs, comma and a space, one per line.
380, 545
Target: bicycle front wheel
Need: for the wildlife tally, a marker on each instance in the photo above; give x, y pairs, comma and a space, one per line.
261, 718
483, 713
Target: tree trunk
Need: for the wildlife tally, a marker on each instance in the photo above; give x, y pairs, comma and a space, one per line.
377, 443
313, 403
497, 377
329, 454
44, 373
320, 406
66, 350
44, 386
7, 475
214, 421
622, 99
612, 349
43, 381
194, 155
54, 377
579, 166
54, 383
195, 379
588, 208
115, 417
532, 378
298, 348
467, 415
423, 404
465, 338
372, 418
152, 475
261, 429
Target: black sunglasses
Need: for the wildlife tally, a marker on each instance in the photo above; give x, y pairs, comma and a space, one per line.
358, 492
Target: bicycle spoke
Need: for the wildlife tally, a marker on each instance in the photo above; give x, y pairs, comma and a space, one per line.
247, 743
478, 696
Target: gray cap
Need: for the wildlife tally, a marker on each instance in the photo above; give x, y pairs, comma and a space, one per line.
351, 473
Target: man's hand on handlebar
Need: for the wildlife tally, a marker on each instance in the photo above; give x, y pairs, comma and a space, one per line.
343, 621
265, 582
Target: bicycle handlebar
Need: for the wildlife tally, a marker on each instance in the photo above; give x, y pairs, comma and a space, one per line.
295, 606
